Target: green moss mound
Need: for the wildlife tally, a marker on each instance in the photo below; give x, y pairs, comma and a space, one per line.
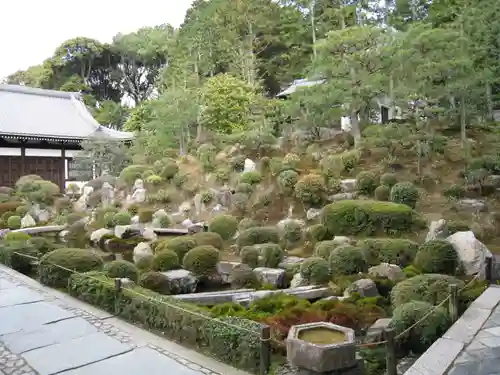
201, 260
397, 251
438, 256
347, 260
121, 269
165, 260
224, 225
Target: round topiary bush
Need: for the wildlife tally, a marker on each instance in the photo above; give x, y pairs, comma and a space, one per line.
311, 190
19, 255
169, 170
225, 225
14, 222
423, 334
316, 233
208, 238
431, 288
315, 270
180, 245
121, 218
145, 215
165, 260
244, 188
368, 217
78, 260
404, 193
398, 251
16, 236
291, 161
250, 177
347, 260
121, 269
201, 260
271, 254
382, 193
155, 281
43, 245
243, 277
287, 181
324, 249
246, 223
132, 172
145, 263
257, 235
366, 182
250, 256
438, 256
292, 232
108, 219
388, 179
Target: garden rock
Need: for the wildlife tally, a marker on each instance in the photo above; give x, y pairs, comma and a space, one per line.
365, 287
348, 185
27, 221
376, 331
273, 276
313, 213
96, 235
283, 223
139, 193
438, 230
157, 217
471, 205
297, 281
134, 219
494, 180
187, 223
149, 234
341, 197
218, 208
224, 269
181, 281
250, 165
41, 215
82, 203
386, 270
290, 262
471, 252
199, 206
107, 194
185, 207
141, 251
341, 240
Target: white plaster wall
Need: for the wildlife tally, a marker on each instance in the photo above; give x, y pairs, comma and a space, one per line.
43, 152
8, 151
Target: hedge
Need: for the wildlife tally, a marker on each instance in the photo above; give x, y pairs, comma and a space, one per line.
184, 323
397, 251
368, 217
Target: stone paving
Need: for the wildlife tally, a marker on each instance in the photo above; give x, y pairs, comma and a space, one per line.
41, 334
471, 346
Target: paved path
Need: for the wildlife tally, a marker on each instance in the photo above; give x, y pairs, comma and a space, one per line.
46, 332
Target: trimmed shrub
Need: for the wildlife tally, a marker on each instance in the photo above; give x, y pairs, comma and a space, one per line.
155, 281
208, 238
180, 245
165, 260
316, 233
121, 269
431, 288
397, 251
423, 334
223, 174
291, 161
164, 221
237, 163
404, 193
132, 172
244, 188
9, 207
250, 256
16, 236
272, 254
74, 217
201, 260
366, 182
43, 245
145, 263
257, 235
382, 193
243, 277
14, 222
368, 217
311, 190
292, 232
347, 260
388, 179
169, 171
250, 177
287, 180
145, 215
246, 223
224, 225
315, 270
121, 218
19, 255
438, 256
78, 260
108, 220
324, 249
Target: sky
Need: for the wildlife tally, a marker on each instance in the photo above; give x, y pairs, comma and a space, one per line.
30, 30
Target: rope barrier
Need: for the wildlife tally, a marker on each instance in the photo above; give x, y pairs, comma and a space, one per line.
161, 301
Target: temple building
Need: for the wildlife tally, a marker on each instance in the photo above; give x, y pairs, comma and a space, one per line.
41, 132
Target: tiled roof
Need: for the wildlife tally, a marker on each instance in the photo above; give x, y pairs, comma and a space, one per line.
31, 112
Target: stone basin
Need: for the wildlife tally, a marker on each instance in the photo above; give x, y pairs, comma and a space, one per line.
321, 347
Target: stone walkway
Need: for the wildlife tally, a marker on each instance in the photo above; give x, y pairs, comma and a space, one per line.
471, 346
45, 332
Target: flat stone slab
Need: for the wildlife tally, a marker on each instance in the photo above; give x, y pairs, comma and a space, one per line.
30, 316
4, 284
437, 359
48, 334
18, 296
75, 353
140, 361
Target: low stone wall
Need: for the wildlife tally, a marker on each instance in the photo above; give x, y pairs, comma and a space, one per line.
470, 346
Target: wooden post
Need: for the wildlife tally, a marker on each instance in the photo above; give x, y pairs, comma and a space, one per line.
118, 285
453, 303
390, 359
488, 271
118, 291
265, 349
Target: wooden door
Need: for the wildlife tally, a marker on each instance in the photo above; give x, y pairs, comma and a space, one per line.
48, 168
10, 170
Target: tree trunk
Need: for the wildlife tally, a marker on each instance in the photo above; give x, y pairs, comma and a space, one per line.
489, 102
313, 27
355, 128
463, 121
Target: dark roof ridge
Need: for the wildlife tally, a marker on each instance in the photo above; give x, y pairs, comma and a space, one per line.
41, 92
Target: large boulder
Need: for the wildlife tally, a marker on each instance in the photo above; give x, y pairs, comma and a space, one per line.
365, 288
472, 252
181, 281
142, 250
28, 221
96, 235
273, 276
438, 230
386, 270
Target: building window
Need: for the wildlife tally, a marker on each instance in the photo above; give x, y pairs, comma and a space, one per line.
78, 172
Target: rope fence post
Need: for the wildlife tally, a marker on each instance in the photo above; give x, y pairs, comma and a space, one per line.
265, 349
118, 290
390, 356
453, 303
488, 271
